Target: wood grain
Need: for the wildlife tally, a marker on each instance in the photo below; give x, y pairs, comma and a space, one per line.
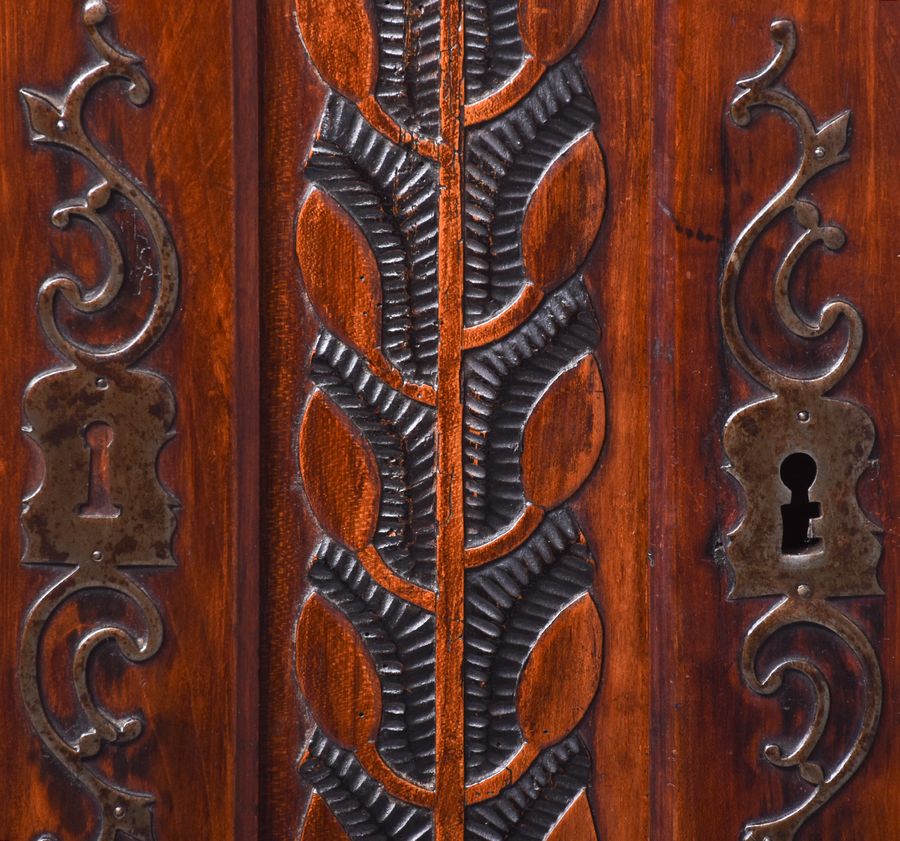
565, 213
679, 183
569, 420
189, 755
288, 336
337, 678
338, 466
552, 700
708, 773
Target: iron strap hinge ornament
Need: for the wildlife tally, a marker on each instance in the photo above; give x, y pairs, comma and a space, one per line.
100, 424
798, 455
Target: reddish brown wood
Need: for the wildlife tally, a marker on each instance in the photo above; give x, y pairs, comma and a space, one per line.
342, 280
565, 214
570, 420
577, 824
552, 700
708, 775
337, 677
340, 37
182, 146
320, 824
551, 30
450, 765
337, 466
661, 80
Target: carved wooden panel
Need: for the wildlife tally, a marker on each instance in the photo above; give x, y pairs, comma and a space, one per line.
452, 192
566, 527
444, 596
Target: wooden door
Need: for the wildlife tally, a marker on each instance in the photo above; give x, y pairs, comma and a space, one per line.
450, 419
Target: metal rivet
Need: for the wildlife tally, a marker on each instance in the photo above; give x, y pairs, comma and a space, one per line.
804, 591
102, 383
119, 811
62, 125
97, 555
803, 416
819, 152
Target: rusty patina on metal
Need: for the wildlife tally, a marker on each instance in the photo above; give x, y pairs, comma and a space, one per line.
839, 554
100, 425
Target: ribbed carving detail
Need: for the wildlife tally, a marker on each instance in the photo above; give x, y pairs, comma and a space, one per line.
508, 605
505, 161
503, 384
392, 195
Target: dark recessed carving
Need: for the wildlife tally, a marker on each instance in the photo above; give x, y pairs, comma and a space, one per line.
456, 331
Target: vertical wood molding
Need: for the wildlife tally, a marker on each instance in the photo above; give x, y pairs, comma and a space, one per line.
100, 423
458, 403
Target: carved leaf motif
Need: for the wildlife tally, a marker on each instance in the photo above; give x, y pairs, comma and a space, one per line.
569, 422
563, 217
340, 38
551, 28
562, 675
577, 824
340, 473
321, 824
339, 271
336, 676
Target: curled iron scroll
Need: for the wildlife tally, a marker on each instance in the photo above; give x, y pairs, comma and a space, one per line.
839, 558
98, 387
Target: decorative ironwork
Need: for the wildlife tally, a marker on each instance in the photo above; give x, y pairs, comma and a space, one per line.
445, 594
798, 456
100, 424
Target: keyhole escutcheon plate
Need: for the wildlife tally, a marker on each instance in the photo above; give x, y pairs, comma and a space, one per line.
839, 557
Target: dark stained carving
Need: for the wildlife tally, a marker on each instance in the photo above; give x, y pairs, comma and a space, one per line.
798, 455
505, 161
100, 424
455, 328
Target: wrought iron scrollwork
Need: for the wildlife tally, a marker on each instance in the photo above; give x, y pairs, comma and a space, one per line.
836, 551
100, 424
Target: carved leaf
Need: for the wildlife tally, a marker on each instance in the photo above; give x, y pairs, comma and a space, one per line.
320, 824
551, 28
340, 38
577, 824
340, 474
569, 422
339, 271
562, 674
336, 676
563, 217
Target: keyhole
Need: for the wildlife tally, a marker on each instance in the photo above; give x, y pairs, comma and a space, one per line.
98, 437
798, 471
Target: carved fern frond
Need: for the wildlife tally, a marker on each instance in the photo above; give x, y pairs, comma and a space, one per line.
455, 359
